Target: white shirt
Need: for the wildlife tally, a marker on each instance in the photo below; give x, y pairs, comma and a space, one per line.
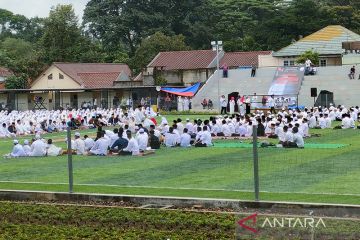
89, 143
185, 139
206, 138
298, 139
79, 146
132, 147
38, 148
142, 140
170, 139
100, 147
18, 151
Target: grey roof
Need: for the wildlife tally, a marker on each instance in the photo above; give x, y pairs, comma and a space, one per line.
327, 41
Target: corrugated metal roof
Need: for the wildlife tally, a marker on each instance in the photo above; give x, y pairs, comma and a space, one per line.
327, 41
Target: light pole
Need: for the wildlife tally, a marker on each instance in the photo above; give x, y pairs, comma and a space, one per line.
217, 46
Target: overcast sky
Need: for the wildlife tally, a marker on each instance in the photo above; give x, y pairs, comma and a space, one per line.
40, 8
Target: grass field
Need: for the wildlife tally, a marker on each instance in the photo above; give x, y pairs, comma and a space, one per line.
301, 175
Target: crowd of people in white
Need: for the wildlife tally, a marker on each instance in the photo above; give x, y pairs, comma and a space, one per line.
136, 131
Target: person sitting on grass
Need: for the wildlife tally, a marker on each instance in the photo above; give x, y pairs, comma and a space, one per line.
132, 147
185, 139
154, 141
205, 139
38, 147
18, 151
170, 138
89, 143
79, 145
298, 138
142, 140
27, 148
101, 145
52, 150
120, 143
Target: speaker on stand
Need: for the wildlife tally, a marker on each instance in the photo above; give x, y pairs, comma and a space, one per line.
313, 92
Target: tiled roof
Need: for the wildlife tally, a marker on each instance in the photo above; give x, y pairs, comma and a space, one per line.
93, 75
98, 80
241, 59
4, 72
327, 41
181, 60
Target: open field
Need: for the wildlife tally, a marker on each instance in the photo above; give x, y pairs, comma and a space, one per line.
48, 221
301, 175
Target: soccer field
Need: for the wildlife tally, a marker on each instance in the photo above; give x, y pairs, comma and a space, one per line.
330, 175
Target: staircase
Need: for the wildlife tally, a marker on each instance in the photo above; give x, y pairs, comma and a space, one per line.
238, 80
334, 79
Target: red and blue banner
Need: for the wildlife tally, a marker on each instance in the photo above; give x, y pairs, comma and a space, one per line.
184, 92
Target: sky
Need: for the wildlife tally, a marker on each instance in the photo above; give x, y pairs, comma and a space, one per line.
40, 8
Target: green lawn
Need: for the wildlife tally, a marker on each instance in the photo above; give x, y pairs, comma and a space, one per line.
306, 175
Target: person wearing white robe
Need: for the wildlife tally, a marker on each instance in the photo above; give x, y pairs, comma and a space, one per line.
89, 142
18, 150
52, 150
180, 105
142, 139
27, 148
186, 104
232, 105
170, 138
100, 147
38, 147
132, 147
185, 139
79, 145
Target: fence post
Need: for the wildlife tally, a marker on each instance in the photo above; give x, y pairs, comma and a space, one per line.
70, 165
256, 163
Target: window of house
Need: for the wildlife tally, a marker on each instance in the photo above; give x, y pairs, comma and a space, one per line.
292, 63
286, 63
61, 76
50, 77
323, 63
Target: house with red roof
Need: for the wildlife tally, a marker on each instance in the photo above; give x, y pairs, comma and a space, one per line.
75, 85
189, 67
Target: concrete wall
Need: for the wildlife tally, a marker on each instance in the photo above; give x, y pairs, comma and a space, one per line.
351, 59
42, 82
270, 61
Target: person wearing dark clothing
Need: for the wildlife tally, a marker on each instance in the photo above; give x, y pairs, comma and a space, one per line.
120, 143
154, 141
12, 128
260, 129
253, 71
352, 73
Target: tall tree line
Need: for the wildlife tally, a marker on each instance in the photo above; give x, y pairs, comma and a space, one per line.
134, 31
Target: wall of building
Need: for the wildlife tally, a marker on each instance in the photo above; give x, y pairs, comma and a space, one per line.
270, 61
22, 102
42, 82
351, 59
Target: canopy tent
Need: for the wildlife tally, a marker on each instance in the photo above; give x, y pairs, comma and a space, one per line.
184, 92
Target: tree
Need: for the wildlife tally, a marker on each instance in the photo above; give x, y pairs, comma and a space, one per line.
16, 82
63, 40
154, 44
20, 57
313, 56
